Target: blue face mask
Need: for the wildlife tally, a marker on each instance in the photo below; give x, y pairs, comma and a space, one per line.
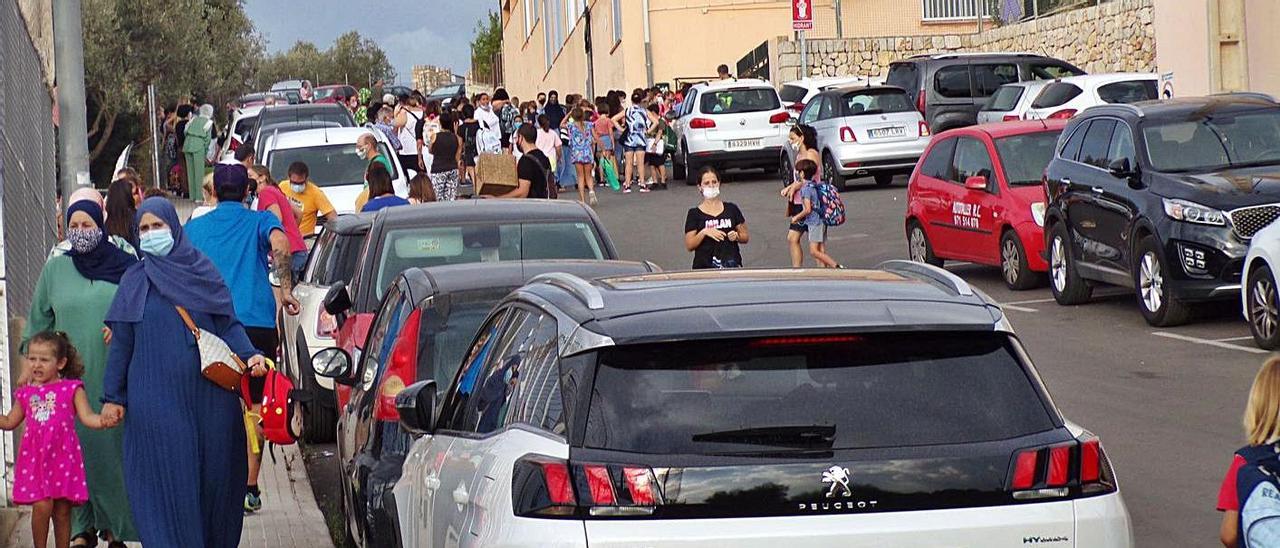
157, 242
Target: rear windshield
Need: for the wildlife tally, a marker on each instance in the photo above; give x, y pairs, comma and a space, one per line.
1026, 156
903, 75
330, 165
793, 94
876, 101
328, 115
752, 395
244, 126
424, 247
1239, 139
1005, 99
1055, 95
1129, 92
734, 101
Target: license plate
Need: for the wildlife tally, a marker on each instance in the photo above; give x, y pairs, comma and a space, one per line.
879, 133
744, 143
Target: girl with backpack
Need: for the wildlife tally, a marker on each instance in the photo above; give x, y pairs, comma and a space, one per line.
811, 214
1246, 473
804, 140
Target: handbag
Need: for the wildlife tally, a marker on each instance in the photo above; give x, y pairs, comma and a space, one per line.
217, 362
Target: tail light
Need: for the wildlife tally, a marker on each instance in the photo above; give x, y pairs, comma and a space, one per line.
924, 130
1060, 470
235, 144
846, 135
920, 106
702, 123
1010, 118
797, 106
1064, 114
779, 118
403, 366
544, 487
326, 325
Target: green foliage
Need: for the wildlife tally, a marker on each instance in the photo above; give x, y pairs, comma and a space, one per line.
352, 59
486, 43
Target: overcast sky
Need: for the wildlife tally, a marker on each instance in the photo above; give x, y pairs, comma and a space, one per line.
412, 32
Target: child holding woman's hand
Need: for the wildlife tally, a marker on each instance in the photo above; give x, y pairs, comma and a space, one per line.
49, 474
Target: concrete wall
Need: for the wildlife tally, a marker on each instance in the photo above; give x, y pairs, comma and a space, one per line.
1116, 36
1182, 30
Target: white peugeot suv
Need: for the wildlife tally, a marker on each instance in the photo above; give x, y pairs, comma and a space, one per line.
729, 123
756, 408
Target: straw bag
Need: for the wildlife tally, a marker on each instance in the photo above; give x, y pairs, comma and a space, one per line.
217, 362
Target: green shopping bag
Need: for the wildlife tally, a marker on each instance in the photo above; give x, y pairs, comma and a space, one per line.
610, 174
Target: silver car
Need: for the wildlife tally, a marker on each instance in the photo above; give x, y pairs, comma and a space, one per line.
1011, 101
863, 131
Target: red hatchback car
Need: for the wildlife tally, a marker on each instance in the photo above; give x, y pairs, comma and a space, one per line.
976, 195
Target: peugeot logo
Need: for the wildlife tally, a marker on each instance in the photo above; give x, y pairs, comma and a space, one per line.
742, 122
839, 479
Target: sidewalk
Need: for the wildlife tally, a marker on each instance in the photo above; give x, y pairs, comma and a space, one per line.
289, 516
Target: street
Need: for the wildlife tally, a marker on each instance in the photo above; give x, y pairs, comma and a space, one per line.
1165, 402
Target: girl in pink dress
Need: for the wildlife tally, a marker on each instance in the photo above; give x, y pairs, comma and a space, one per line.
49, 474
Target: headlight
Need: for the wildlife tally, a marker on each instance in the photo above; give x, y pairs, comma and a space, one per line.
1037, 213
1191, 212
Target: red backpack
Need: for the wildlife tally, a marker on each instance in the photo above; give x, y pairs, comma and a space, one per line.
281, 407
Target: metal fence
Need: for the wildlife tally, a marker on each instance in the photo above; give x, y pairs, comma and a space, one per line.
756, 63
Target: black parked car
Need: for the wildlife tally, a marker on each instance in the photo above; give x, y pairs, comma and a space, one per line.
422, 329
1162, 197
949, 89
293, 117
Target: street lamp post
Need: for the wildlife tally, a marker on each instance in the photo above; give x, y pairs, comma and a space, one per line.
73, 140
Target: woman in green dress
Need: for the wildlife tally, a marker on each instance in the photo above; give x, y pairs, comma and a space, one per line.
199, 134
73, 294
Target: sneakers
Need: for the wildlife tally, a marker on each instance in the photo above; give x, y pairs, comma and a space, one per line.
626, 190
252, 503
592, 198
644, 188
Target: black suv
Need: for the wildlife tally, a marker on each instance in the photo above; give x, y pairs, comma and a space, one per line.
948, 89
1162, 197
286, 118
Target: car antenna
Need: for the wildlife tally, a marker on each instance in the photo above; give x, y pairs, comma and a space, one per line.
1042, 123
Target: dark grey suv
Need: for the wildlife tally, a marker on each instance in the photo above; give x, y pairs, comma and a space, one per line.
948, 89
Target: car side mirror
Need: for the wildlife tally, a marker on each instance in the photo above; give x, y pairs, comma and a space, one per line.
337, 300
332, 363
1120, 168
417, 407
976, 182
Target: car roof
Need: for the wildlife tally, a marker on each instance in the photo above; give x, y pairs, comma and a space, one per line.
824, 81
849, 89
351, 223
1027, 84
997, 130
719, 303
304, 107
304, 138
977, 54
487, 211
1190, 108
249, 111
716, 85
334, 86
436, 280
1103, 79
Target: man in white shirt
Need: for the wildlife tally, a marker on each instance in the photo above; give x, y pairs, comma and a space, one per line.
489, 138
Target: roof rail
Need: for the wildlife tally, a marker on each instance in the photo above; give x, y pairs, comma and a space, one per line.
961, 55
1250, 94
934, 273
589, 294
1121, 106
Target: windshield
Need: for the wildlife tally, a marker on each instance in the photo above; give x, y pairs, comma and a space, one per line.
324, 93
447, 91
793, 94
1129, 92
1026, 156
1213, 143
734, 101
330, 165
424, 247
903, 75
876, 101
862, 391
1005, 99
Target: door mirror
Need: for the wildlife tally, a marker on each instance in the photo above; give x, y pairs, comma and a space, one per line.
1120, 168
332, 363
417, 407
976, 182
337, 300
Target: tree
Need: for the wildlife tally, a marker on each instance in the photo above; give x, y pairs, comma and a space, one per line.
351, 59
486, 43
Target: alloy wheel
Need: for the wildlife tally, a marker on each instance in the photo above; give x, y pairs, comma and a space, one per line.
1262, 307
919, 248
1010, 261
1151, 282
828, 170
1058, 265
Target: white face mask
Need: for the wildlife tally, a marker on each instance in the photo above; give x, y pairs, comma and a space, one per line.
298, 188
710, 192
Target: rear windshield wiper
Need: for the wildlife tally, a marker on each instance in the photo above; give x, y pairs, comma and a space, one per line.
785, 436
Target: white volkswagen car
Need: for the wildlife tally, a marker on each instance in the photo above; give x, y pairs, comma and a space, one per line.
729, 124
330, 155
1066, 97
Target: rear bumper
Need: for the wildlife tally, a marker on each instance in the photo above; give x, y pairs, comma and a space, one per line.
767, 156
857, 158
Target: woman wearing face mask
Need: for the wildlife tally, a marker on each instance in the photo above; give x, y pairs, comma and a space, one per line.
804, 140
72, 295
271, 198
715, 229
184, 437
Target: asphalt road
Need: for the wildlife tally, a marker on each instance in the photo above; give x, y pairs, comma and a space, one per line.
1165, 402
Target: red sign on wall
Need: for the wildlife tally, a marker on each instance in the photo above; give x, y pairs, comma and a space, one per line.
801, 14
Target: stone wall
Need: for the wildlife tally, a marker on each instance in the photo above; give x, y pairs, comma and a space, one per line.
1118, 36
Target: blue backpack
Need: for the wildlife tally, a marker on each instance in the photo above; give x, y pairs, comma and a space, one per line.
830, 206
1258, 490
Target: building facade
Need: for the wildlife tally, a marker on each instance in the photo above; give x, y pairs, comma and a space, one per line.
1210, 46
590, 46
430, 77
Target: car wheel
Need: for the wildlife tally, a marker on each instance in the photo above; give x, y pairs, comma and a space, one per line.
690, 170
1014, 269
1264, 318
785, 171
319, 418
677, 167
831, 173
883, 179
1067, 285
918, 246
1151, 279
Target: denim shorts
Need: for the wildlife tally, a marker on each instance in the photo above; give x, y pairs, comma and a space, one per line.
817, 233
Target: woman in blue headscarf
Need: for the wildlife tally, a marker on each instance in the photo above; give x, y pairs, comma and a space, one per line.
73, 294
184, 437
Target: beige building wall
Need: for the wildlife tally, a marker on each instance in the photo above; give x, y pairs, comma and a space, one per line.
880, 18
1184, 43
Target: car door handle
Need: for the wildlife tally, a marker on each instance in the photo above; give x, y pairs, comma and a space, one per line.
460, 496
1097, 190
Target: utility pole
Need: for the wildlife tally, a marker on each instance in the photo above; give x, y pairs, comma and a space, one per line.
73, 140
804, 57
839, 20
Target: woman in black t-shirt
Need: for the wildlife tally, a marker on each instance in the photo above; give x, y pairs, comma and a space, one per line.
714, 230
446, 153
